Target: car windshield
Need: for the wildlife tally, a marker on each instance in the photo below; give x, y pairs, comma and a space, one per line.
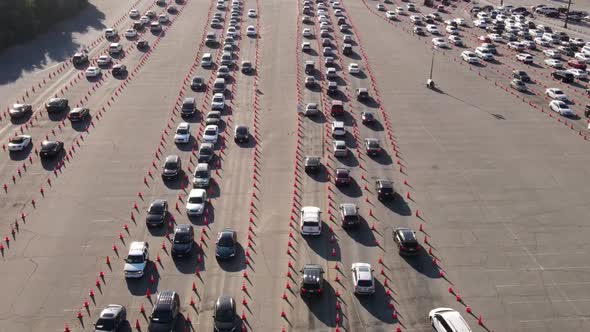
105, 324
182, 131
562, 105
202, 174
365, 283
210, 132
196, 200
135, 259
225, 316
226, 241
162, 316
156, 209
17, 139
170, 165
182, 238
373, 144
218, 99
242, 130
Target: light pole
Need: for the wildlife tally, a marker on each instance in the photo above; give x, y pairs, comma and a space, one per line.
567, 13
431, 66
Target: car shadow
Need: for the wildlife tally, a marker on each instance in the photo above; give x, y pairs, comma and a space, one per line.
370, 102
322, 306
57, 42
318, 245
373, 304
383, 158
188, 264
354, 55
58, 116
50, 164
351, 190
176, 183
375, 125
236, 263
21, 155
81, 126
139, 287
361, 75
422, 263
362, 233
21, 120
398, 205
158, 231
320, 176
121, 76
186, 147
318, 118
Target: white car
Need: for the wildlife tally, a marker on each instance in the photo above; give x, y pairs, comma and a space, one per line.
231, 32
469, 57
560, 107
354, 68
524, 58
400, 11
338, 12
484, 54
362, 278
582, 57
136, 260
306, 46
183, 133
432, 29
130, 33
480, 24
452, 30
134, 13
311, 109
307, 33
92, 72
390, 15
516, 46
195, 203
455, 40
218, 102
380, 7
163, 18
252, 13
442, 318
104, 60
115, 48
555, 93
19, 143
310, 222
340, 149
495, 37
553, 54
110, 33
555, 63
338, 129
460, 21
542, 42
529, 44
144, 20
578, 73
251, 31
211, 134
439, 42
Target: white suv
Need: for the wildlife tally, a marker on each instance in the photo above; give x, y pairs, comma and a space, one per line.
311, 221
362, 278
447, 319
183, 133
136, 260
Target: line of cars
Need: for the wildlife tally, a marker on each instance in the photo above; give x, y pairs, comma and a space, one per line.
167, 305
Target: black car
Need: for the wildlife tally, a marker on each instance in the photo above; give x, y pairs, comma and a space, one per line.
312, 280
372, 146
312, 164
225, 317
332, 88
80, 58
564, 76
241, 134
197, 83
78, 114
384, 189
247, 67
157, 213
172, 167
213, 118
51, 149
349, 215
143, 45
111, 318
165, 312
56, 105
205, 153
119, 70
406, 241
19, 111
225, 246
362, 94
342, 177
521, 75
367, 117
183, 241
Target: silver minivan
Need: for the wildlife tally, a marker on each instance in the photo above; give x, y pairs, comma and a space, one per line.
219, 85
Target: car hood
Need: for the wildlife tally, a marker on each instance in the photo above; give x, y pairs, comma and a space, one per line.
182, 247
134, 267
154, 217
225, 251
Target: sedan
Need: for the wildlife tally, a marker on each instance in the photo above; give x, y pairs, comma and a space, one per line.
583, 57
197, 83
211, 134
578, 73
226, 244
439, 43
92, 72
556, 93
578, 64
555, 63
354, 68
20, 111
553, 54
524, 58
252, 13
56, 105
432, 29
518, 85
307, 33
251, 31
104, 60
390, 15
130, 33
495, 37
19, 143
78, 114
380, 8
367, 117
469, 57
560, 107
119, 69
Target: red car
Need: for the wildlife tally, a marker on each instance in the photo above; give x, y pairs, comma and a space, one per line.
577, 64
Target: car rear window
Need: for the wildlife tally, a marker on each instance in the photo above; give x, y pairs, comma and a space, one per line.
365, 283
310, 223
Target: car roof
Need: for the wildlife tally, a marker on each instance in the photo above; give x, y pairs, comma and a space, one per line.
197, 193
224, 302
385, 182
164, 300
172, 158
206, 145
212, 127
364, 271
310, 211
184, 125
111, 310
136, 246
407, 234
227, 232
312, 273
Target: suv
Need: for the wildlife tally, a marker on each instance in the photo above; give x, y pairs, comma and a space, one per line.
564, 76
342, 176
225, 317
312, 280
79, 58
384, 189
241, 134
189, 107
136, 260
172, 167
349, 215
362, 278
336, 108
184, 238
157, 213
372, 146
205, 153
165, 312
202, 176
111, 318
312, 164
521, 75
310, 222
447, 319
406, 241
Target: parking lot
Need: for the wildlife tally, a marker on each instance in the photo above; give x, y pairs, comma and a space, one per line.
489, 178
